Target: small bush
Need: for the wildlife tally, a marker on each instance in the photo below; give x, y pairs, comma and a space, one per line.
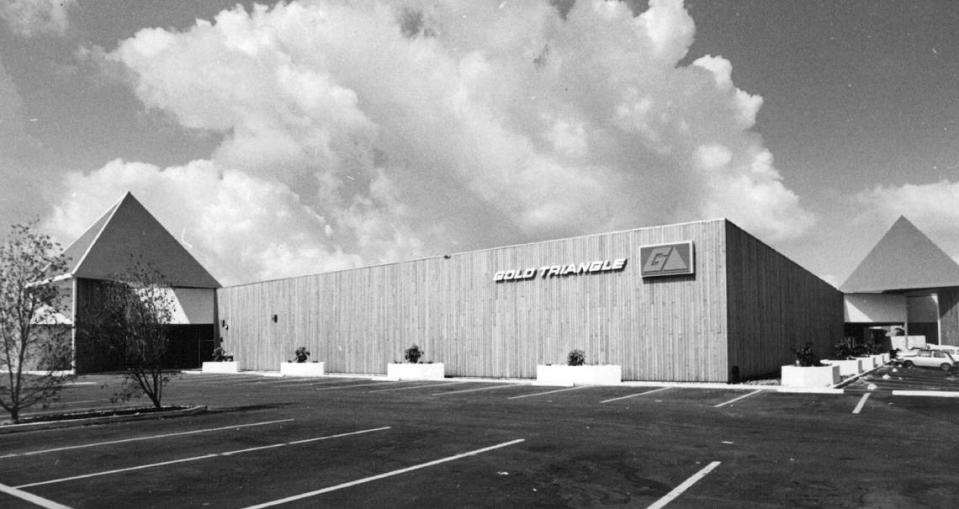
576, 358
301, 354
221, 355
413, 354
805, 356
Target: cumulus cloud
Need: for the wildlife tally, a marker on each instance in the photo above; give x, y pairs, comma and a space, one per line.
422, 128
242, 228
33, 17
931, 207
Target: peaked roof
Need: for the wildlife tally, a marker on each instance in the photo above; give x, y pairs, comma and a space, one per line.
126, 230
904, 259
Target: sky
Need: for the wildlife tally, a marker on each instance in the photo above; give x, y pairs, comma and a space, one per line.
301, 137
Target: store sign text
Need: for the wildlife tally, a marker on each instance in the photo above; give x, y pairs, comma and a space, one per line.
551, 271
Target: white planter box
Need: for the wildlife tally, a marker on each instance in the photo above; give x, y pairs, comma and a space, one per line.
302, 369
885, 358
410, 371
221, 367
868, 362
847, 367
810, 376
563, 375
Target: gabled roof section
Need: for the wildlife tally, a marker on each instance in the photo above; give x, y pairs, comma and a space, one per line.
128, 230
904, 259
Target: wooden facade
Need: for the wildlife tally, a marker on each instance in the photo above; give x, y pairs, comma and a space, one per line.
949, 316
675, 328
775, 305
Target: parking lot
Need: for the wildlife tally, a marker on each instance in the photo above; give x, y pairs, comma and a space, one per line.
357, 442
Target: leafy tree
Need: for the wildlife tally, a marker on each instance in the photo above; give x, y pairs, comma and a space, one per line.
129, 319
35, 351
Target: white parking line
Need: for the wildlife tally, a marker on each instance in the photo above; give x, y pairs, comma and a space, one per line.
932, 394
635, 395
197, 458
350, 386
414, 387
30, 497
475, 389
678, 490
137, 439
224, 380
862, 401
307, 382
383, 476
548, 392
744, 396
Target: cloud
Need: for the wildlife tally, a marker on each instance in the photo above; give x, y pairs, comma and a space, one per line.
33, 17
218, 213
422, 128
931, 207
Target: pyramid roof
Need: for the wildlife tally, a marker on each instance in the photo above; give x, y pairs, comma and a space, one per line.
904, 259
127, 230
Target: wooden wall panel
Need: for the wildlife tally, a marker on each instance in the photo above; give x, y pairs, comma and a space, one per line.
775, 305
358, 320
949, 316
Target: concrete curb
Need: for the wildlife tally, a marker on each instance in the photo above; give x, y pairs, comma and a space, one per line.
852, 379
810, 390
106, 419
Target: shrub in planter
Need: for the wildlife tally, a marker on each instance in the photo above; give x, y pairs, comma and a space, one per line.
412, 369
221, 355
805, 356
576, 358
413, 354
301, 354
220, 362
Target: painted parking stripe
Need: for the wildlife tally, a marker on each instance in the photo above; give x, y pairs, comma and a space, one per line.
932, 394
744, 396
30, 497
224, 380
307, 382
475, 389
149, 437
635, 395
197, 458
688, 483
407, 387
350, 386
385, 475
548, 392
862, 401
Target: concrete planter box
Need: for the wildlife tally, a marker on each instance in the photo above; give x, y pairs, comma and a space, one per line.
810, 376
562, 375
221, 367
885, 358
868, 362
847, 367
302, 369
409, 371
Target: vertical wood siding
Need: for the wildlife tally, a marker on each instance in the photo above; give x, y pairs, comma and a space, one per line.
949, 316
775, 305
359, 320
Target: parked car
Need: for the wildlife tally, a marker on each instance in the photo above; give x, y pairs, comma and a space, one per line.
928, 358
953, 350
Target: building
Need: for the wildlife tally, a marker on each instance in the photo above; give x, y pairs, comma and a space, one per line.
906, 283
701, 301
125, 232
